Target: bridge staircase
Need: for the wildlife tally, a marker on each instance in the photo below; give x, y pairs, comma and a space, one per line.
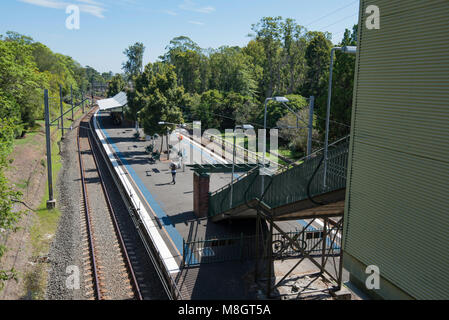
300, 191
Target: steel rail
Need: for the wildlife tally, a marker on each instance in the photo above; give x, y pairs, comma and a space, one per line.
114, 220
97, 291
167, 281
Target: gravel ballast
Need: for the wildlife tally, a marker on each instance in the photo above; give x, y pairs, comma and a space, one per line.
66, 252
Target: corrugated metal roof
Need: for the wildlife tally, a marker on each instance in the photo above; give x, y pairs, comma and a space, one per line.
119, 100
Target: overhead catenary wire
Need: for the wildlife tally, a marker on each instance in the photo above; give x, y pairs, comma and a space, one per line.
268, 128
345, 18
336, 122
331, 13
334, 35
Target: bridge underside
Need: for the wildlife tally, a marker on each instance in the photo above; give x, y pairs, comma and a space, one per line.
333, 205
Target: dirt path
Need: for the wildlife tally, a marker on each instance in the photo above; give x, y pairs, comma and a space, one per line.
28, 174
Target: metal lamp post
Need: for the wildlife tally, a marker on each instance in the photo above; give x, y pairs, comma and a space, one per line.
277, 99
283, 100
346, 49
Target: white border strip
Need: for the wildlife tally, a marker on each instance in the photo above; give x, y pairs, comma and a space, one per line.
145, 217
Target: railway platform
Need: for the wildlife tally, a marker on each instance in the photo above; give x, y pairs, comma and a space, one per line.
167, 212
170, 208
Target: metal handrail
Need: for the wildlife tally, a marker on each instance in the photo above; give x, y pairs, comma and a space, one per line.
275, 193
254, 155
282, 170
300, 161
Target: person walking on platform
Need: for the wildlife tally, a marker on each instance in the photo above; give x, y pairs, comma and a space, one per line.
173, 172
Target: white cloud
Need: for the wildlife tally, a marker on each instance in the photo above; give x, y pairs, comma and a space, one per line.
196, 23
46, 3
170, 12
189, 5
88, 6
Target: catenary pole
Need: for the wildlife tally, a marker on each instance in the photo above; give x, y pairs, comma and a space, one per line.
61, 107
51, 202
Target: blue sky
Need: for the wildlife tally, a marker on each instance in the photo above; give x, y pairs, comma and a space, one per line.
107, 27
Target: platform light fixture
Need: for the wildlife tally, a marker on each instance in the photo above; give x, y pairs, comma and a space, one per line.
348, 50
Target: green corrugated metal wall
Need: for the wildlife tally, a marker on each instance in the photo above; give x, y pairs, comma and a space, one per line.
397, 207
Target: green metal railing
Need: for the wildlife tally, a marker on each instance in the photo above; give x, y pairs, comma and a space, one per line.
290, 186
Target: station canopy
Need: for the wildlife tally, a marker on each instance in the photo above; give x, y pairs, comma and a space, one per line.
118, 101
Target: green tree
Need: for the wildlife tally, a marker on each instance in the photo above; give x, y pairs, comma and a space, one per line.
221, 110
294, 129
141, 90
232, 71
160, 101
17, 37
318, 58
268, 32
21, 83
107, 76
208, 110
189, 63
342, 90
28, 67
94, 77
255, 52
59, 69
115, 85
188, 103
8, 196
133, 67
293, 56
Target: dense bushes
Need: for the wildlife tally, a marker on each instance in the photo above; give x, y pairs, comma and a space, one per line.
26, 69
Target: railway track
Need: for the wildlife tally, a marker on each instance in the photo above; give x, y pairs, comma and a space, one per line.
108, 271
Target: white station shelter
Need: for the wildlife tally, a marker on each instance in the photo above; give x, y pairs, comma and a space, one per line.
115, 106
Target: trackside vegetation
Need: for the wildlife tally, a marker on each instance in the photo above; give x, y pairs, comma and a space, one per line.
27, 68
227, 86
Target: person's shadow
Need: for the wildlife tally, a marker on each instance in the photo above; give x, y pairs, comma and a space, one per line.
163, 184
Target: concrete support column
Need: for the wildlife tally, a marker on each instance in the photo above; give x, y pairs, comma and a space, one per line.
201, 183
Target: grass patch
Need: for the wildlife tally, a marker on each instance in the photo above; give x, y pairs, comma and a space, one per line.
293, 155
243, 142
39, 126
45, 222
29, 136
23, 184
41, 234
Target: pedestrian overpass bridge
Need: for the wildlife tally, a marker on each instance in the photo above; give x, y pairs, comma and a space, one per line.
298, 192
